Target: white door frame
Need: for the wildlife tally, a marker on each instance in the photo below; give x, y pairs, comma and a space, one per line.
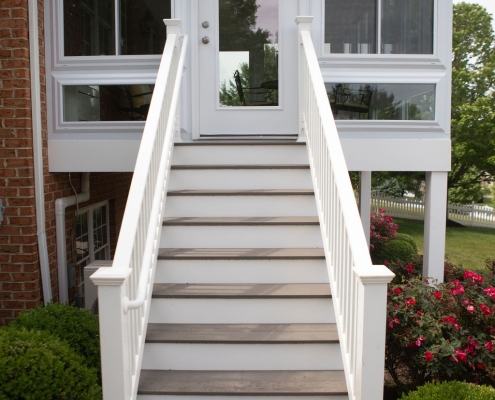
287, 71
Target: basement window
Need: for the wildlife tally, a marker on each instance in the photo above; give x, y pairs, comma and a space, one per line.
92, 242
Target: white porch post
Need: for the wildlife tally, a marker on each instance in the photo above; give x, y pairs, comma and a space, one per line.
371, 320
435, 220
114, 337
365, 202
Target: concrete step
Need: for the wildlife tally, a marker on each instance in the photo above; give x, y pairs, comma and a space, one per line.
242, 333
252, 384
240, 177
241, 271
239, 153
241, 203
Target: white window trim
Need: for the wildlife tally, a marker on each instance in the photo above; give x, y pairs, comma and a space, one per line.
90, 70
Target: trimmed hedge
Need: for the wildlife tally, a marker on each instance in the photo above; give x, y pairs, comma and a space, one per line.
36, 365
394, 250
75, 326
451, 391
408, 239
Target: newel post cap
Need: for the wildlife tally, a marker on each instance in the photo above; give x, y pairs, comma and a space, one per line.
110, 276
304, 20
173, 25
374, 274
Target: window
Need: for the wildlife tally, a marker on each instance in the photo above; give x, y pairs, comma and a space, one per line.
92, 242
106, 102
95, 28
382, 101
404, 26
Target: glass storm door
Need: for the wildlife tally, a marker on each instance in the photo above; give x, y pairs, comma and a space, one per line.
247, 68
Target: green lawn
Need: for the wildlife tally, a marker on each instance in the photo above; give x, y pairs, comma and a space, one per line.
467, 246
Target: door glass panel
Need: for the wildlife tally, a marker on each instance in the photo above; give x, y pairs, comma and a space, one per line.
248, 56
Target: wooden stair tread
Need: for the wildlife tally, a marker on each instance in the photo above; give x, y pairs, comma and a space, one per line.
245, 383
242, 333
239, 166
241, 291
236, 221
257, 192
240, 254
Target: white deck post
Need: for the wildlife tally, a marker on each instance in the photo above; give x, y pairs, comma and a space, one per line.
114, 341
365, 202
371, 319
435, 220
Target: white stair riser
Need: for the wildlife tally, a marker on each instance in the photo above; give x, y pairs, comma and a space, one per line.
240, 206
240, 179
245, 155
316, 397
243, 357
241, 271
242, 311
290, 236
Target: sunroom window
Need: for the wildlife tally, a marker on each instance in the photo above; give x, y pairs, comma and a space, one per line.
106, 102
114, 27
379, 26
382, 101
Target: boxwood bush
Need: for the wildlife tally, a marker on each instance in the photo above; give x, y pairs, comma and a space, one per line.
451, 391
36, 365
75, 326
408, 239
394, 250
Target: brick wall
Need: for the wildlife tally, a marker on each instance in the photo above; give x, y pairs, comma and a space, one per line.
20, 280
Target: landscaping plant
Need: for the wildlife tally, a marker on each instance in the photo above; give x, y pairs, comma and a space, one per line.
75, 326
37, 365
440, 331
451, 391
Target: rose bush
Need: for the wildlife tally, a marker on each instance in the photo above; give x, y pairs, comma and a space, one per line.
442, 331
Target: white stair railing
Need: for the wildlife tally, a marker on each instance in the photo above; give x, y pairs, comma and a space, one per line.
124, 290
359, 289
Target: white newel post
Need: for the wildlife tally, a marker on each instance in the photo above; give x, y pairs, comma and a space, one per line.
303, 24
372, 317
114, 340
435, 220
365, 202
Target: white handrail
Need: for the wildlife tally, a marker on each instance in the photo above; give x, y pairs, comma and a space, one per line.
359, 289
124, 290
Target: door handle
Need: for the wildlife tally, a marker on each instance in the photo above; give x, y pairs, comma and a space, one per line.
205, 40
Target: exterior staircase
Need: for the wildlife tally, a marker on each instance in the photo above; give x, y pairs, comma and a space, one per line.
241, 303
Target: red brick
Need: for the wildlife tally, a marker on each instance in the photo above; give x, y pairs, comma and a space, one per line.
11, 268
8, 191
5, 54
19, 13
6, 295
21, 53
7, 112
26, 295
16, 83
13, 287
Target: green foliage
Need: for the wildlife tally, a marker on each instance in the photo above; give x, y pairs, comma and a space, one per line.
75, 326
394, 250
473, 104
36, 365
408, 239
453, 390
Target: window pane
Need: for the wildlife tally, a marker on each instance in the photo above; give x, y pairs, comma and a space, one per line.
350, 26
143, 30
407, 27
382, 101
107, 102
89, 27
248, 55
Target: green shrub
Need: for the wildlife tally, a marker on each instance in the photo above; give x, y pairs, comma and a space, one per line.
36, 365
75, 326
451, 391
394, 250
408, 239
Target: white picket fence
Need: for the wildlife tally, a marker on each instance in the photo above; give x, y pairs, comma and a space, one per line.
412, 208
